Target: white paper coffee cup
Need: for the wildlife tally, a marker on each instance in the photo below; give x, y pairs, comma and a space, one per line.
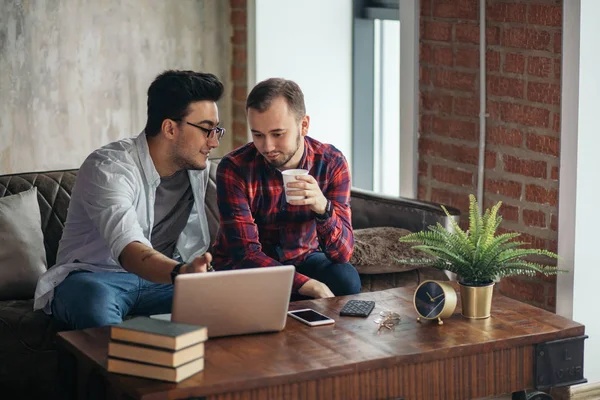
289, 175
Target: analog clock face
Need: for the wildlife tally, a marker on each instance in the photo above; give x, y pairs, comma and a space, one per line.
429, 300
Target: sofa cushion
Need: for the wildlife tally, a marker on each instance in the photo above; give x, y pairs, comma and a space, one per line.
22, 254
376, 251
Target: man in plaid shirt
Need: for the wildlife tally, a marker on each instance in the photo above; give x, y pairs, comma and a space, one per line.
258, 228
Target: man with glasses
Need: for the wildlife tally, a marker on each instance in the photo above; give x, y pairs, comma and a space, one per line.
136, 217
258, 228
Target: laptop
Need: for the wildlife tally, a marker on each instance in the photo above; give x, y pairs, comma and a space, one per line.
234, 302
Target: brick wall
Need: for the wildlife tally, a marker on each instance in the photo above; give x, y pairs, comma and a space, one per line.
239, 89
523, 58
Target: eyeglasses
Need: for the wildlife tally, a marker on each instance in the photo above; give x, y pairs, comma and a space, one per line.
216, 132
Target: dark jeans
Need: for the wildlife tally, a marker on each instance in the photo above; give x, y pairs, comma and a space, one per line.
89, 299
342, 279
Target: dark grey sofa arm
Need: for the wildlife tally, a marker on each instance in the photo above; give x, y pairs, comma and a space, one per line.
370, 209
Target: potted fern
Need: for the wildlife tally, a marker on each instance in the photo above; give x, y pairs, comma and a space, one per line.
478, 256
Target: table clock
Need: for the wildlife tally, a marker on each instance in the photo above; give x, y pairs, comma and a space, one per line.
434, 300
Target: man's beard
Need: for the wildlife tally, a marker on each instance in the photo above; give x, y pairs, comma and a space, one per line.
288, 156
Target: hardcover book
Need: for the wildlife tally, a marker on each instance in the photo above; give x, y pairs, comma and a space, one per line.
155, 355
158, 333
168, 374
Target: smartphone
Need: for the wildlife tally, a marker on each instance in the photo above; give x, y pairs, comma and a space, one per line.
310, 317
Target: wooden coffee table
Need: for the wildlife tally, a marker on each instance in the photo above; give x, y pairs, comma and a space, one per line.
461, 359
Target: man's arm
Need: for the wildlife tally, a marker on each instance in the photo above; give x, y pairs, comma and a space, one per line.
335, 233
155, 267
237, 223
108, 193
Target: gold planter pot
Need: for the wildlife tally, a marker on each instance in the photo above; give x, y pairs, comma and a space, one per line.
476, 300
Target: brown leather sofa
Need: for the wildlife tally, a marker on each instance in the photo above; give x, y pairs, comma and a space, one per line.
28, 359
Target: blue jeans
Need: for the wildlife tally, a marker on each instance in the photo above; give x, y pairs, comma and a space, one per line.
342, 279
89, 299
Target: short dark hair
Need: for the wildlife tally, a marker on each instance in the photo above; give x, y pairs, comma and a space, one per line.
171, 93
263, 94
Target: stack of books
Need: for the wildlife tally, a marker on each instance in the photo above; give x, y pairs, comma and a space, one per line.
157, 349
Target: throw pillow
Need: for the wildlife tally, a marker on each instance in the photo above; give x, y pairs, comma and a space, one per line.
376, 251
22, 252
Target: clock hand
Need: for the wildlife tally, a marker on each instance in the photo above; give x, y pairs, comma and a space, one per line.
428, 295
437, 297
434, 308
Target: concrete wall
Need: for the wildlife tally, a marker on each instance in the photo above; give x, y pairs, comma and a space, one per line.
74, 73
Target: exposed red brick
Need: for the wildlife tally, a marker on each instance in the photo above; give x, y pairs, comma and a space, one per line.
556, 122
514, 63
533, 242
490, 159
238, 17
525, 290
239, 129
425, 53
526, 38
541, 195
554, 173
469, 33
435, 30
462, 9
443, 56
424, 76
466, 106
423, 168
425, 8
509, 213
547, 93
467, 57
450, 198
434, 101
239, 36
237, 4
554, 223
515, 165
509, 87
492, 61
239, 55
238, 74
422, 192
543, 144
453, 176
541, 14
239, 93
425, 123
551, 303
454, 128
500, 135
558, 42
494, 110
526, 115
503, 187
557, 68
539, 66
452, 152
506, 12
454, 80
534, 218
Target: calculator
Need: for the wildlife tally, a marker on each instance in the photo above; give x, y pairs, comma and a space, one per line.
357, 308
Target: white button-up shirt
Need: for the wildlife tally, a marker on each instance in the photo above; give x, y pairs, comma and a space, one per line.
112, 205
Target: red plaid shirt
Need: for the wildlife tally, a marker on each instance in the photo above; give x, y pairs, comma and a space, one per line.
259, 229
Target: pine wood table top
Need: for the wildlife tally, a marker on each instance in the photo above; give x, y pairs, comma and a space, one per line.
353, 359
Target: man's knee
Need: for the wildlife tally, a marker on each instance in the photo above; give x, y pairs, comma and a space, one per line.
85, 303
348, 280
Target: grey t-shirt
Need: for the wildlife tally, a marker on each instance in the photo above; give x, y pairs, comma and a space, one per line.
174, 201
